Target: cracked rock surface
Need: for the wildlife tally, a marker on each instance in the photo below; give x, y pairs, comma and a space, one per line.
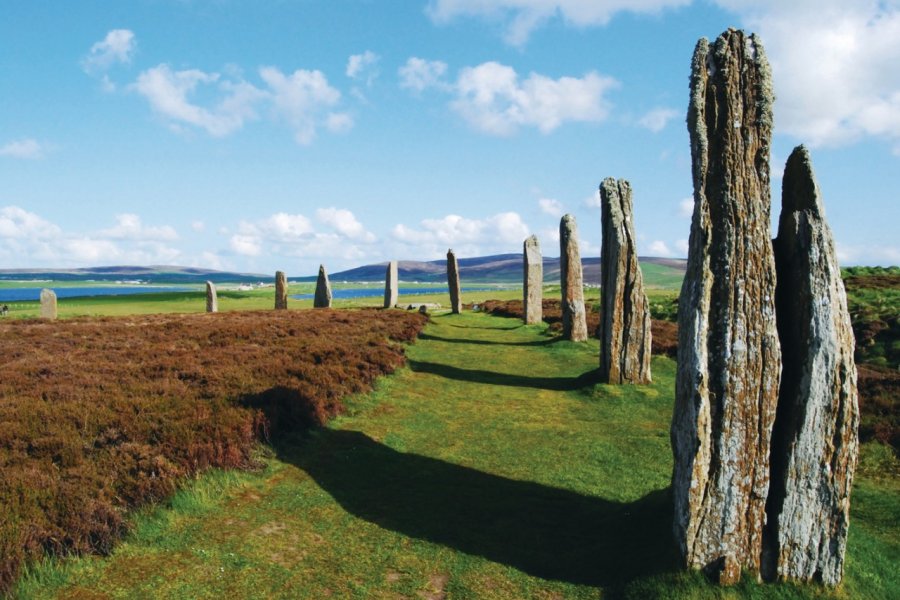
572, 282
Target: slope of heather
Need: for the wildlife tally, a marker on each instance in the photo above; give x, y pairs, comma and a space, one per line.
98, 416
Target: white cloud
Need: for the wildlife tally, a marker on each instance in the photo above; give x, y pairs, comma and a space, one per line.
338, 122
246, 244
657, 119
686, 207
522, 17
16, 222
25, 148
168, 92
117, 47
500, 233
868, 255
658, 248
419, 74
130, 227
682, 247
362, 66
345, 223
493, 99
301, 98
198, 226
552, 207
593, 201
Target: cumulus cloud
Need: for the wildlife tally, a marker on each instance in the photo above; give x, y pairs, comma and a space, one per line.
550, 206
493, 99
345, 223
868, 255
117, 47
593, 201
303, 99
362, 66
28, 240
686, 207
658, 248
521, 17
419, 74
657, 119
25, 148
503, 232
682, 246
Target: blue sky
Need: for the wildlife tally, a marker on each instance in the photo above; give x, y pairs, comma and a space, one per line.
256, 136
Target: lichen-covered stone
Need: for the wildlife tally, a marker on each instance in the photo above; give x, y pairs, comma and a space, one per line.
212, 299
390, 285
281, 290
48, 304
533, 287
572, 281
322, 298
815, 440
453, 282
729, 358
625, 343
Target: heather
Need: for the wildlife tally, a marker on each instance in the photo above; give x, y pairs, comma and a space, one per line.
102, 415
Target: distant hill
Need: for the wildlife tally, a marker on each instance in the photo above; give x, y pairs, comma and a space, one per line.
152, 274
507, 268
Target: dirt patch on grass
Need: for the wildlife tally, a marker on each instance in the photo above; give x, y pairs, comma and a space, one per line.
98, 416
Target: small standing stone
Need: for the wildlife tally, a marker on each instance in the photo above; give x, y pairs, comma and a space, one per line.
534, 280
322, 298
212, 299
48, 304
625, 312
573, 317
453, 282
391, 289
281, 291
815, 441
729, 358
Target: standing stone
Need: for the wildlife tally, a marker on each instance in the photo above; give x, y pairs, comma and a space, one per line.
453, 282
729, 358
625, 312
573, 317
815, 441
322, 298
48, 304
534, 281
391, 288
212, 300
280, 291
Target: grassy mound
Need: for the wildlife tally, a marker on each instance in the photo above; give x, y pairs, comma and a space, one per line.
98, 416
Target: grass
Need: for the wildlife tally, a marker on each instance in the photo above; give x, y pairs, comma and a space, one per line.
491, 467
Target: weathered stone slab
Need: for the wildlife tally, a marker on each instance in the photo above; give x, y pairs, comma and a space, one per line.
453, 282
815, 441
391, 289
48, 304
729, 358
281, 291
625, 338
533, 288
212, 299
322, 298
572, 281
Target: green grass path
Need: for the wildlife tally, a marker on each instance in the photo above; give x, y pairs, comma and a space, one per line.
491, 467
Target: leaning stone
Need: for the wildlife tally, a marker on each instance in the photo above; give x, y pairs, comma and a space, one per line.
281, 291
815, 441
453, 282
322, 298
572, 288
729, 358
625, 344
48, 304
212, 299
534, 280
390, 285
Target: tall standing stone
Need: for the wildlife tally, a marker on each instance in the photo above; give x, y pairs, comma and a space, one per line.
625, 342
453, 282
48, 304
391, 289
729, 358
573, 317
281, 291
322, 299
534, 281
815, 440
212, 299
